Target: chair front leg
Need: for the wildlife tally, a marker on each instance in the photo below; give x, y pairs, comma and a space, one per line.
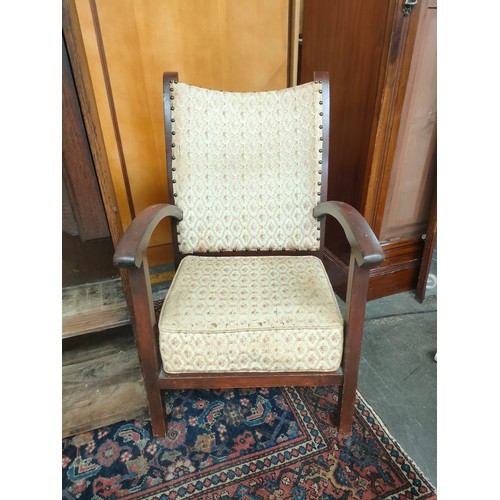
357, 289
145, 329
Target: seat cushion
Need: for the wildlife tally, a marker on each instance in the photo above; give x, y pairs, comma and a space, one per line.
250, 314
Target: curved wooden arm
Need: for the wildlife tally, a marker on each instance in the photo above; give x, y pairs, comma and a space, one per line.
364, 244
131, 249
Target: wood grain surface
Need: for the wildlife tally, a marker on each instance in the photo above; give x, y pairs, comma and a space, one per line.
93, 307
221, 44
101, 381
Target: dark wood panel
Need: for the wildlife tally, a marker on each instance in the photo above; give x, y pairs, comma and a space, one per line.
391, 95
69, 224
329, 27
351, 40
86, 261
398, 273
367, 46
394, 280
241, 380
78, 168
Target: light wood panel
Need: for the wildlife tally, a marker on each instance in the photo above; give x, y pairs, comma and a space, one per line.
413, 173
222, 44
93, 307
296, 7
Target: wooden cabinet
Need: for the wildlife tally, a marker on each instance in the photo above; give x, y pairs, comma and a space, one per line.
382, 66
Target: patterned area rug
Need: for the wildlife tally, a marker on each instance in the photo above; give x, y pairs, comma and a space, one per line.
275, 443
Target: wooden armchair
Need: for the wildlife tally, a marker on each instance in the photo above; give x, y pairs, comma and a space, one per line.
251, 304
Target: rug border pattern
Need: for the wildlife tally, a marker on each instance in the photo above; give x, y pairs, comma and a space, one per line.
393, 440
315, 447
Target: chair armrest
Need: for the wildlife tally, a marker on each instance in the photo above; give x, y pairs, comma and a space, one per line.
132, 246
365, 247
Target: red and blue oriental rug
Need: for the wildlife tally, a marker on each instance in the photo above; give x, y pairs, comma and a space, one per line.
245, 444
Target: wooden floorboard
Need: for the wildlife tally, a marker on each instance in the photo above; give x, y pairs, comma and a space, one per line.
101, 377
93, 307
101, 381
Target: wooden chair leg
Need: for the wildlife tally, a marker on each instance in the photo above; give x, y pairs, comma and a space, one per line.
357, 289
157, 412
146, 333
347, 397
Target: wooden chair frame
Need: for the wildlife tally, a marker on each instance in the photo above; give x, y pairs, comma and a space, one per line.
366, 252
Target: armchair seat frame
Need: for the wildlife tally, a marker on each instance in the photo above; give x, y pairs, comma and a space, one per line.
366, 252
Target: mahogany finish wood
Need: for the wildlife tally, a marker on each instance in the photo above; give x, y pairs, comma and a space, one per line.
430, 242
365, 253
406, 170
242, 380
146, 336
402, 261
393, 78
169, 77
365, 247
345, 39
353, 331
133, 246
369, 48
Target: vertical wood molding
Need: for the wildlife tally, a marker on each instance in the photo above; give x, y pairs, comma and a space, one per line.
411, 182
430, 241
112, 108
293, 42
393, 84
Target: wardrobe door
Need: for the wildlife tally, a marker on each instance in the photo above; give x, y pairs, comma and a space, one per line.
381, 57
413, 175
221, 44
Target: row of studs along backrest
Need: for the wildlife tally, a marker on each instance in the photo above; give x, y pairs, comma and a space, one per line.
320, 150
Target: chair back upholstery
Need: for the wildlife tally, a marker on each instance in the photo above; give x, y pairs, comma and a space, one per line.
246, 167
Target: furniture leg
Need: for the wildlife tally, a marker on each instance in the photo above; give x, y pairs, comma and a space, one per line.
357, 288
146, 335
157, 412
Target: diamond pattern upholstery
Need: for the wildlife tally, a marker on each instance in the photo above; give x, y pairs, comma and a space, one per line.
246, 167
255, 314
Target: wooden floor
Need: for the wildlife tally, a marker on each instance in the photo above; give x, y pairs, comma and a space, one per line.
102, 381
93, 307
101, 376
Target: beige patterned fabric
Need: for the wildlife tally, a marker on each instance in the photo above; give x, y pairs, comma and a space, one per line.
246, 167
255, 314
